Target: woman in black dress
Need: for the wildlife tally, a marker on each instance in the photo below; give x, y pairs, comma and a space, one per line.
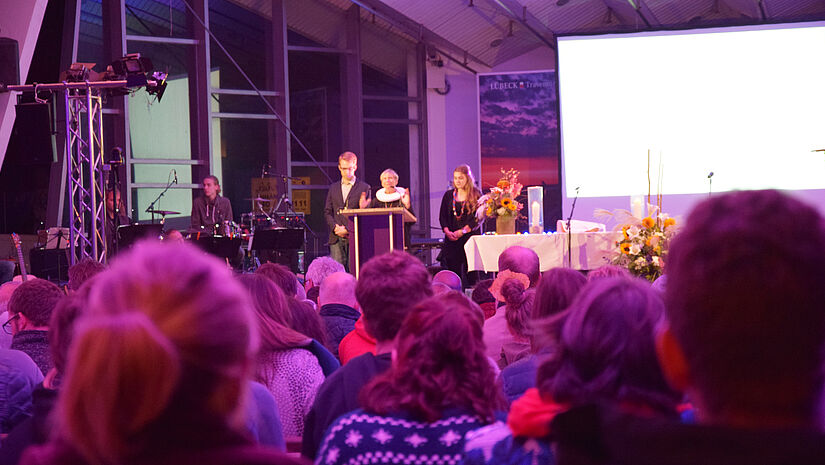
390, 196
458, 219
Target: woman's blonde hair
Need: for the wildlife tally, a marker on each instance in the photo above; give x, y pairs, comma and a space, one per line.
164, 322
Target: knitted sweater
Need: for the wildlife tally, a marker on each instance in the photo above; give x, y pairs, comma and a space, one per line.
293, 377
35, 343
363, 438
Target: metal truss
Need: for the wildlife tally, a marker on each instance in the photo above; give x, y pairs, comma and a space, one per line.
84, 162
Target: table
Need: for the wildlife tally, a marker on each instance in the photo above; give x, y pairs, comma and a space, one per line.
588, 250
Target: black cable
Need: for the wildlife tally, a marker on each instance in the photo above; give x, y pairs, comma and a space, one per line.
255, 88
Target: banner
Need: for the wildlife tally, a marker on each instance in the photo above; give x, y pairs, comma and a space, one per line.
519, 127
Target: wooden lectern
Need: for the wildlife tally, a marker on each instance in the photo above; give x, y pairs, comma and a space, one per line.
374, 231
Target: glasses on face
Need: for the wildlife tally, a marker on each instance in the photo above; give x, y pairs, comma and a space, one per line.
7, 324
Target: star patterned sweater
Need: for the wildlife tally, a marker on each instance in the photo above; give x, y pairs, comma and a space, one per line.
363, 438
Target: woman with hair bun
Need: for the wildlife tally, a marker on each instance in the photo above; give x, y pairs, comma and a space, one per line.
158, 367
513, 289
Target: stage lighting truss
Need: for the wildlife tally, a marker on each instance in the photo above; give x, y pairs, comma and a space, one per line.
84, 146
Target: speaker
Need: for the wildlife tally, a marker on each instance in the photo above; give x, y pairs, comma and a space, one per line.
51, 264
9, 62
32, 140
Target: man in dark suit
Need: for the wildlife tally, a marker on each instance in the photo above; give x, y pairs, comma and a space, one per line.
346, 193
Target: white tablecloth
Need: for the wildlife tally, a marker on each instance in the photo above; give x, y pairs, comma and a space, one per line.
588, 249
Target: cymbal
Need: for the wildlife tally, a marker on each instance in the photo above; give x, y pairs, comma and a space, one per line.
164, 212
259, 199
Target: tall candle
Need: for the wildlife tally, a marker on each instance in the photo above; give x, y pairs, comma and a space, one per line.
536, 210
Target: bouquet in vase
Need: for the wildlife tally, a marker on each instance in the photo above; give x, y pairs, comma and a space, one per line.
501, 202
643, 246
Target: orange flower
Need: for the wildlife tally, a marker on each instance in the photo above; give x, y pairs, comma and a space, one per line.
625, 248
506, 202
512, 206
670, 222
648, 222
624, 231
503, 184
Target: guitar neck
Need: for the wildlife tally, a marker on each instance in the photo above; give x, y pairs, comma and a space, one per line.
20, 261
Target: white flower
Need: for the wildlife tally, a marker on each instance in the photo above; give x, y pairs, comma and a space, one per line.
332, 455
657, 261
633, 232
415, 440
382, 436
640, 262
449, 438
353, 438
635, 248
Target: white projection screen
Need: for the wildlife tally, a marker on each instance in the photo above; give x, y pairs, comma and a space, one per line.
745, 103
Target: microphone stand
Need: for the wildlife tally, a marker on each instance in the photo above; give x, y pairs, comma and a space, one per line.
710, 184
151, 207
570, 232
315, 238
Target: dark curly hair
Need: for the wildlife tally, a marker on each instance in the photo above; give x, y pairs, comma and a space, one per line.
440, 364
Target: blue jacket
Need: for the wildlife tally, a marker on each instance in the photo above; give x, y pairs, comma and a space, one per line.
19, 376
339, 320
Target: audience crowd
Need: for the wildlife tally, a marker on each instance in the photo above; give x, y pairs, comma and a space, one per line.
168, 357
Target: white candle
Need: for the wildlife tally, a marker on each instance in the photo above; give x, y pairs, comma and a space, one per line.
536, 210
636, 205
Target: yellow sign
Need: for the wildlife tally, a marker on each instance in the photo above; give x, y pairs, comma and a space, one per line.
265, 188
300, 201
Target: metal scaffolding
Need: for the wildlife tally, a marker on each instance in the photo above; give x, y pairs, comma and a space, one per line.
84, 162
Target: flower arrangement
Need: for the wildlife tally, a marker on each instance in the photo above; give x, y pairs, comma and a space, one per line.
643, 246
501, 200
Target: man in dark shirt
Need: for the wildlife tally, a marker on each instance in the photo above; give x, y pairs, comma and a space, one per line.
210, 211
336, 300
388, 287
30, 308
346, 193
744, 338
115, 217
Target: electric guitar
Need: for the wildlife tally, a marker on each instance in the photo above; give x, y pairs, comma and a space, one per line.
20, 261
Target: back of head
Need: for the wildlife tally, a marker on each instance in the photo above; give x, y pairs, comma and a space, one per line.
281, 276
745, 300
272, 312
6, 290
322, 267
440, 363
166, 330
35, 299
556, 290
518, 305
82, 271
521, 260
608, 271
448, 278
306, 320
388, 287
338, 288
606, 351
61, 328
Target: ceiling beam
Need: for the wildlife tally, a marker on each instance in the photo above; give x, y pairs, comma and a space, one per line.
645, 13
421, 33
518, 12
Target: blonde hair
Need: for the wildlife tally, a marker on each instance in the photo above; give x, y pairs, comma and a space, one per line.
348, 156
470, 189
164, 322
